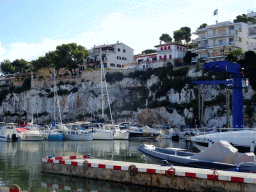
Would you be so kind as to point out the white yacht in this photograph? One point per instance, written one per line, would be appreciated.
(32, 135)
(118, 133)
(8, 132)
(237, 137)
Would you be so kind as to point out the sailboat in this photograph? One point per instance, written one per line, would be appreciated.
(110, 130)
(32, 132)
(55, 133)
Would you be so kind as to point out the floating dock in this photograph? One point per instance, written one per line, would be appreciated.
(176, 177)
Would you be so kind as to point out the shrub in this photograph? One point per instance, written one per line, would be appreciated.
(42, 77)
(113, 77)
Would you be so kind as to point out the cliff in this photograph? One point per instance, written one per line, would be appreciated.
(149, 101)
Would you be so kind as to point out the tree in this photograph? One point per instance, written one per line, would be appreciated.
(165, 37)
(243, 18)
(148, 51)
(187, 33)
(69, 56)
(7, 68)
(188, 56)
(234, 55)
(248, 62)
(20, 65)
(202, 26)
(40, 63)
(178, 35)
(191, 45)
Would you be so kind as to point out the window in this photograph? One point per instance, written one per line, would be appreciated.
(240, 29)
(180, 48)
(165, 48)
(118, 65)
(119, 58)
(124, 58)
(112, 65)
(160, 57)
(177, 47)
(118, 49)
(124, 50)
(170, 56)
(161, 48)
(240, 39)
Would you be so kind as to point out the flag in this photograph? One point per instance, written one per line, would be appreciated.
(215, 12)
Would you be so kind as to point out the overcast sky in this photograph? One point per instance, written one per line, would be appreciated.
(30, 28)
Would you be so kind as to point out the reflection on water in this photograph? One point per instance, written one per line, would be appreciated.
(20, 163)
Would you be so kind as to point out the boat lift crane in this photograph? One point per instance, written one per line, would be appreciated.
(235, 83)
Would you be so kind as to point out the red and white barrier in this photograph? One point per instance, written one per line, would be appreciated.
(71, 160)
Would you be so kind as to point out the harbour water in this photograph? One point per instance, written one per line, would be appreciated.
(20, 163)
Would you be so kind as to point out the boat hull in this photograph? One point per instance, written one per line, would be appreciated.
(76, 137)
(102, 135)
(121, 135)
(55, 137)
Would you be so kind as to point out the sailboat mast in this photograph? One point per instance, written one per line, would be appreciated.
(31, 95)
(101, 80)
(54, 83)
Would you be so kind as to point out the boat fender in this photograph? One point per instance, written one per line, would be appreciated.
(236, 169)
(133, 170)
(85, 165)
(215, 173)
(171, 172)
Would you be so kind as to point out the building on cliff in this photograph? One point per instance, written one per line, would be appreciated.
(216, 41)
(252, 28)
(114, 56)
(166, 52)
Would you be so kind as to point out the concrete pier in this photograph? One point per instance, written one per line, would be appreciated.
(180, 178)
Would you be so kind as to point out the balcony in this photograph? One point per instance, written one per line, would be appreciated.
(97, 52)
(164, 51)
(201, 48)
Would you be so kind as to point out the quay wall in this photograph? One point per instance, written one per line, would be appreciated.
(179, 178)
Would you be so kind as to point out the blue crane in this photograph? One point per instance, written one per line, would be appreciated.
(235, 83)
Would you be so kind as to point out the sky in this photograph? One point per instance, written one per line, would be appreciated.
(31, 28)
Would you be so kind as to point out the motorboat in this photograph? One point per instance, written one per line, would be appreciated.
(74, 133)
(8, 132)
(167, 132)
(238, 137)
(78, 135)
(118, 133)
(221, 155)
(32, 135)
(124, 125)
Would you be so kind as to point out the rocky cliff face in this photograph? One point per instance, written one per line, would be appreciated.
(85, 102)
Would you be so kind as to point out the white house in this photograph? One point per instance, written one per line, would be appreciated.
(216, 41)
(166, 52)
(252, 29)
(114, 56)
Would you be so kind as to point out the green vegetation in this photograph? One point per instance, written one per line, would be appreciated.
(148, 51)
(202, 26)
(184, 33)
(243, 18)
(165, 38)
(113, 77)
